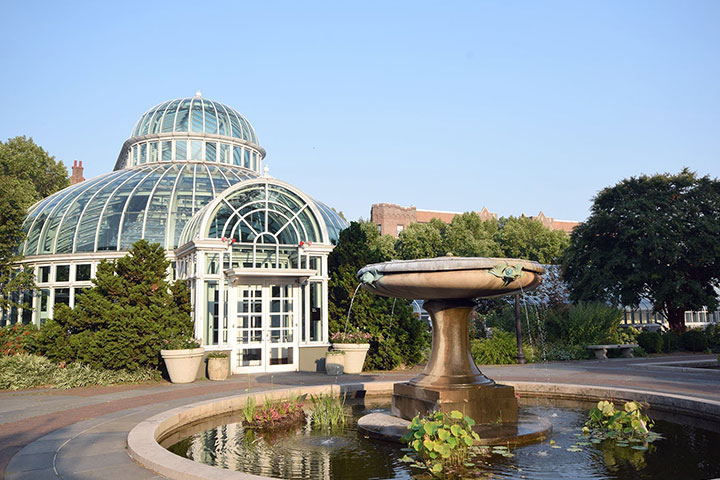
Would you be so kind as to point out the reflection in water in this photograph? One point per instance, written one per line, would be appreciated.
(686, 452)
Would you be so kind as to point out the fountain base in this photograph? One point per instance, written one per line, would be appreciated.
(484, 403)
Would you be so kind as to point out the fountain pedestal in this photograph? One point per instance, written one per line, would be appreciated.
(451, 380)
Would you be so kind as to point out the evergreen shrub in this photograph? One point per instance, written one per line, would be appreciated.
(651, 342)
(591, 324)
(18, 338)
(124, 320)
(694, 340)
(671, 341)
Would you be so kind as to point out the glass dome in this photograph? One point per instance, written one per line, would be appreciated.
(112, 211)
(192, 129)
(195, 114)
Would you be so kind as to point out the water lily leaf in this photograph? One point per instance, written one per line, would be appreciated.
(456, 430)
(407, 459)
(416, 445)
(508, 454)
(642, 448)
(469, 421)
(456, 415)
(595, 440)
(621, 444)
(555, 446)
(436, 468)
(574, 449)
(452, 442)
(429, 445)
(467, 440)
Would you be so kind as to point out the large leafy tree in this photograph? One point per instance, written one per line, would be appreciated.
(529, 239)
(398, 337)
(123, 321)
(654, 237)
(27, 174)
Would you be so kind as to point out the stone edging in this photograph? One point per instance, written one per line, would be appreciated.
(145, 450)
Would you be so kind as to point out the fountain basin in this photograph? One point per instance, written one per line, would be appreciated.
(450, 277)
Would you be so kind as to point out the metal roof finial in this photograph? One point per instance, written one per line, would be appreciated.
(198, 93)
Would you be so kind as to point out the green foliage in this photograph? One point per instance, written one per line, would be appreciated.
(422, 240)
(217, 355)
(18, 338)
(327, 411)
(123, 321)
(712, 333)
(694, 341)
(27, 174)
(23, 371)
(590, 324)
(526, 238)
(469, 236)
(185, 342)
(671, 341)
(398, 337)
(501, 349)
(622, 426)
(248, 409)
(565, 352)
(442, 443)
(655, 237)
(651, 342)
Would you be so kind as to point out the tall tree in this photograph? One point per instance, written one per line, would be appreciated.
(529, 239)
(27, 174)
(422, 240)
(468, 235)
(398, 337)
(654, 237)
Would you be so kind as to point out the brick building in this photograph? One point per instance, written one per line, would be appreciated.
(393, 219)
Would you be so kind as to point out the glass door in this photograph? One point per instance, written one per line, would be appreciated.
(265, 328)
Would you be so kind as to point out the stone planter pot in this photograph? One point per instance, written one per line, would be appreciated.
(183, 365)
(354, 355)
(218, 368)
(334, 363)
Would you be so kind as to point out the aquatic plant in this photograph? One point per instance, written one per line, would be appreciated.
(441, 442)
(625, 426)
(274, 413)
(327, 411)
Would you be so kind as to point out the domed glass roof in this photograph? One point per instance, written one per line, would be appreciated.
(112, 211)
(195, 114)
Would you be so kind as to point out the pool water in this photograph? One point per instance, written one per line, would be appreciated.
(685, 452)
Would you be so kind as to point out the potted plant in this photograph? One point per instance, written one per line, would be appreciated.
(218, 366)
(335, 362)
(183, 356)
(355, 346)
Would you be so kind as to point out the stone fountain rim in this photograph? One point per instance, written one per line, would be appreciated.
(144, 449)
(449, 264)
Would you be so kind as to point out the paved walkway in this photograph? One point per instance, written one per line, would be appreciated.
(81, 433)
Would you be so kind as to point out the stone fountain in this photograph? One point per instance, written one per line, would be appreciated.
(451, 380)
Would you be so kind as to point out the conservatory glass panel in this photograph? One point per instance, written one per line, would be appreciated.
(44, 274)
(237, 156)
(197, 116)
(167, 151)
(181, 122)
(224, 153)
(156, 121)
(203, 187)
(157, 213)
(210, 151)
(212, 319)
(236, 128)
(246, 158)
(182, 206)
(82, 272)
(153, 152)
(180, 149)
(168, 122)
(62, 273)
(107, 238)
(143, 153)
(223, 122)
(135, 209)
(210, 118)
(196, 150)
(62, 295)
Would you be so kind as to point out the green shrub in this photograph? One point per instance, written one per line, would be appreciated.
(712, 333)
(122, 322)
(591, 324)
(694, 341)
(565, 352)
(671, 341)
(651, 342)
(18, 338)
(23, 371)
(501, 349)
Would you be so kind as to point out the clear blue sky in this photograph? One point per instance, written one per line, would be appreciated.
(514, 105)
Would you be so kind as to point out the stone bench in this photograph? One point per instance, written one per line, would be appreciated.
(601, 350)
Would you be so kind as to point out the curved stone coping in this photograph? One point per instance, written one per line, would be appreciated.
(146, 451)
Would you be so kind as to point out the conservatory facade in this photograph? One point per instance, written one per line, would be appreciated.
(253, 249)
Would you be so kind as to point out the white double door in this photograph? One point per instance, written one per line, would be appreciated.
(265, 336)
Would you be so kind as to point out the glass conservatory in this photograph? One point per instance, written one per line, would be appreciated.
(252, 248)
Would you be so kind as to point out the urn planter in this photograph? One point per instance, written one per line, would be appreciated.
(355, 354)
(183, 365)
(334, 363)
(218, 368)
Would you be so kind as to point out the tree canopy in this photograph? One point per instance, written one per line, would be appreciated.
(27, 174)
(655, 237)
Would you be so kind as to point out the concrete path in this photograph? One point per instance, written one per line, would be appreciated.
(81, 433)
